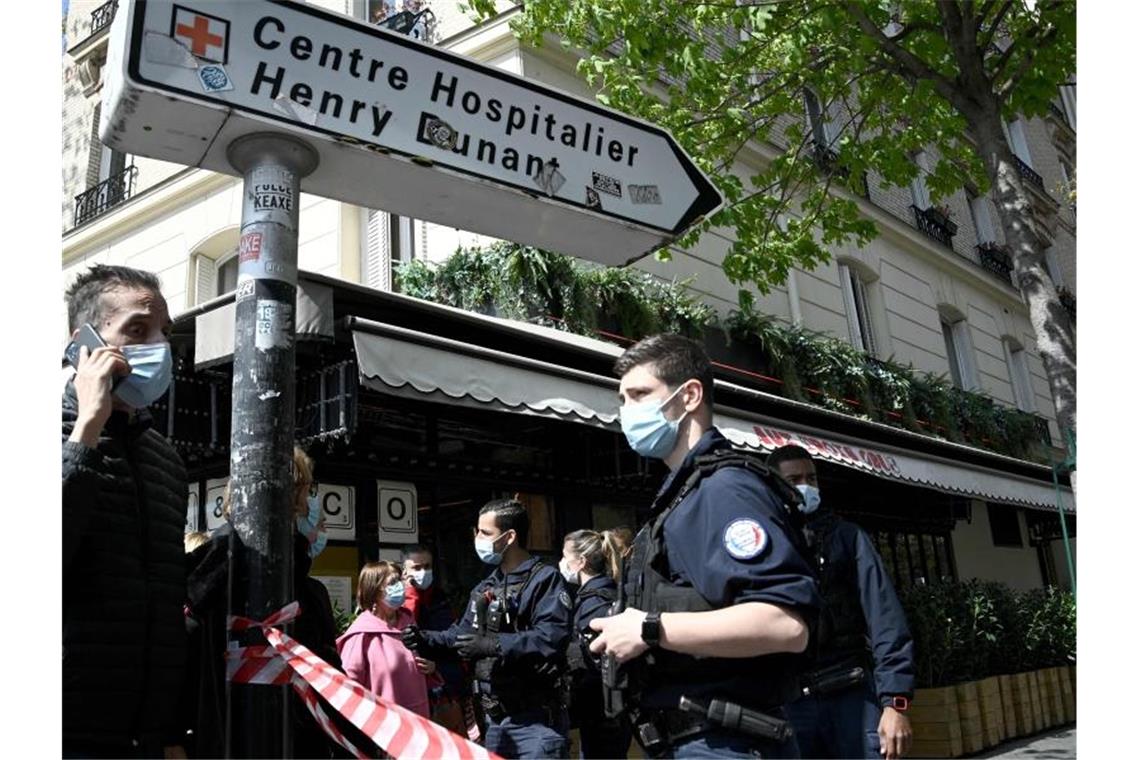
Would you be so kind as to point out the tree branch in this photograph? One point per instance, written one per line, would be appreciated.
(912, 64)
(1030, 56)
(995, 25)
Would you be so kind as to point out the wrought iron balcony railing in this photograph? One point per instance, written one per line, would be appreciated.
(1069, 301)
(104, 196)
(827, 159)
(1027, 173)
(995, 258)
(934, 224)
(1059, 113)
(1042, 426)
(102, 17)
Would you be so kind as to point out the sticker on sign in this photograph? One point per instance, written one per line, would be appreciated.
(398, 125)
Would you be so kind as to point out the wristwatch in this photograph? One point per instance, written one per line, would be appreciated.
(898, 702)
(651, 629)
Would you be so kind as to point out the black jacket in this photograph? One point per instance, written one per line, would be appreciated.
(124, 582)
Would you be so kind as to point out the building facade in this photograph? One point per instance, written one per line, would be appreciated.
(929, 291)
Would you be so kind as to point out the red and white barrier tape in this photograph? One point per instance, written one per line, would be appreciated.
(396, 730)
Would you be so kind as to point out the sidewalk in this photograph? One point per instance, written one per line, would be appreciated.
(1055, 744)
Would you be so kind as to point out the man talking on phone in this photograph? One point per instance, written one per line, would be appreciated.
(124, 507)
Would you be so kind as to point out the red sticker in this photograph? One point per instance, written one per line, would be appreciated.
(249, 247)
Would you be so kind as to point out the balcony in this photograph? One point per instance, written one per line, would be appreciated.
(995, 259)
(1042, 426)
(101, 198)
(827, 160)
(1028, 174)
(935, 224)
(1069, 301)
(102, 16)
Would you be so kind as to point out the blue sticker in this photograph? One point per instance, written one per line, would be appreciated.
(214, 78)
(744, 538)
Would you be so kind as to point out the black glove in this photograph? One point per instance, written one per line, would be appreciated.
(475, 645)
(413, 638)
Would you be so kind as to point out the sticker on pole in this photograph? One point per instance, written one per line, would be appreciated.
(274, 323)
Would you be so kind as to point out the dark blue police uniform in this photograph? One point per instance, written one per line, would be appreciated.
(732, 541)
(524, 706)
(860, 608)
(601, 737)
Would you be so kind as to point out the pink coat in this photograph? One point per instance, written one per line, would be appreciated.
(374, 656)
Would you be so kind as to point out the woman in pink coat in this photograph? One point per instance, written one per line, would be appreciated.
(371, 650)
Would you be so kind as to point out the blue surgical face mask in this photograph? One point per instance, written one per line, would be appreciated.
(308, 526)
(151, 369)
(485, 548)
(811, 498)
(394, 594)
(647, 430)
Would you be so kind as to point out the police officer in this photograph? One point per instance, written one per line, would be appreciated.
(860, 686)
(719, 594)
(514, 632)
(590, 562)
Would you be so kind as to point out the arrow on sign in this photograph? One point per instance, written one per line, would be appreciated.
(399, 125)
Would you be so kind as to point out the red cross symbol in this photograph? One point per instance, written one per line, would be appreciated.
(199, 35)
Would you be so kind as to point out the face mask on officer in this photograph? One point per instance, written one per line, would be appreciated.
(570, 576)
(811, 498)
(485, 548)
(646, 428)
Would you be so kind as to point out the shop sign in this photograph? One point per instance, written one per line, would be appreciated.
(398, 506)
(852, 456)
(338, 505)
(215, 490)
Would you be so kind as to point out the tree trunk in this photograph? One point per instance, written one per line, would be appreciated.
(1056, 340)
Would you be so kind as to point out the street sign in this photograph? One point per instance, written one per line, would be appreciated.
(398, 125)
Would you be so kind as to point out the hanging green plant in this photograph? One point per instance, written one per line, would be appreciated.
(469, 280)
(418, 279)
(623, 302)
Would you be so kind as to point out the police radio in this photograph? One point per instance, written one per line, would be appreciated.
(481, 604)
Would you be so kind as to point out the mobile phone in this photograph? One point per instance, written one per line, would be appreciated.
(88, 336)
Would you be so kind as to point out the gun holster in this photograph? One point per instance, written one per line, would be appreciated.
(832, 679)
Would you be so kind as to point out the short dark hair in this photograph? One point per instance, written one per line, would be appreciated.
(85, 296)
(510, 514)
(788, 453)
(673, 359)
(410, 549)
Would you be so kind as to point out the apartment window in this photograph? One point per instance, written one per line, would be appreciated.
(983, 222)
(1015, 134)
(1005, 528)
(1019, 375)
(1052, 266)
(956, 335)
(227, 275)
(918, 191)
(822, 129)
(1069, 103)
(390, 239)
(858, 313)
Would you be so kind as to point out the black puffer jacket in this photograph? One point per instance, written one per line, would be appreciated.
(124, 584)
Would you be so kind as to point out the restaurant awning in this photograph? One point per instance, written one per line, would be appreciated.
(405, 362)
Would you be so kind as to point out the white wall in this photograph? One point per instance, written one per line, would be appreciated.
(977, 557)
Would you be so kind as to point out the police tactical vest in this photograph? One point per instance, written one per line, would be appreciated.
(842, 626)
(577, 665)
(649, 588)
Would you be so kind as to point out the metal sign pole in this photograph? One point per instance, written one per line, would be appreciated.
(261, 448)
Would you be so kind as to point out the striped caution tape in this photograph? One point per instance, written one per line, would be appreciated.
(396, 730)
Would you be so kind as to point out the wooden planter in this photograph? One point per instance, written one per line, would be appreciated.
(1035, 701)
(1067, 707)
(970, 716)
(935, 723)
(993, 718)
(1023, 704)
(1072, 675)
(1008, 707)
(1056, 675)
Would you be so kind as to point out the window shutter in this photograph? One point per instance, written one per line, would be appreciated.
(859, 289)
(95, 150)
(205, 277)
(980, 210)
(1015, 133)
(1019, 377)
(918, 192)
(377, 253)
(962, 346)
(847, 286)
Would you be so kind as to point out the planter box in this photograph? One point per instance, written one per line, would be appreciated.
(993, 717)
(739, 353)
(935, 723)
(1023, 704)
(1071, 679)
(1061, 678)
(1008, 707)
(970, 716)
(1035, 702)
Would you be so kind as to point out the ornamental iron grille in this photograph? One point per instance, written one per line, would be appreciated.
(995, 258)
(934, 225)
(102, 17)
(109, 193)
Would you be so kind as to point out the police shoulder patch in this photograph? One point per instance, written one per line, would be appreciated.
(565, 599)
(744, 538)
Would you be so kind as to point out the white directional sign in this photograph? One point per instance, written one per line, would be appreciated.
(398, 125)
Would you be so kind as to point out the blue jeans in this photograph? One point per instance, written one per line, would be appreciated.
(843, 724)
(716, 744)
(528, 735)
